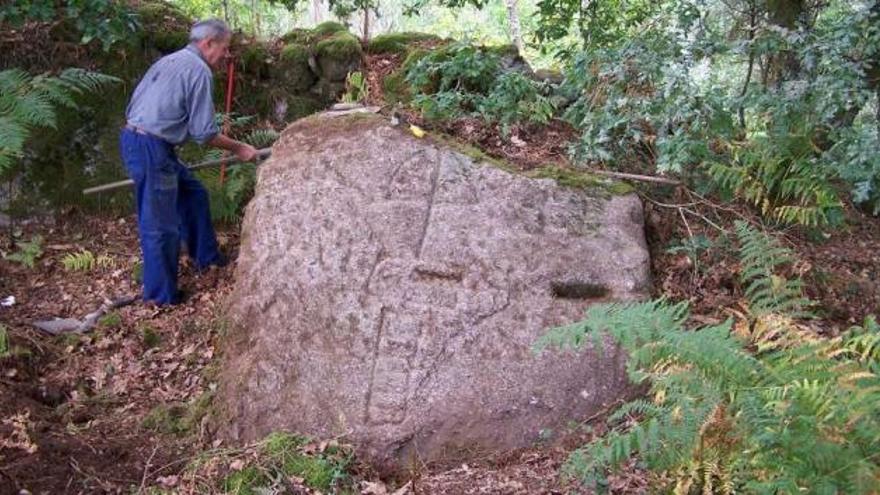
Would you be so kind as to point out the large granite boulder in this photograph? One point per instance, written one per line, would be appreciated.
(389, 289)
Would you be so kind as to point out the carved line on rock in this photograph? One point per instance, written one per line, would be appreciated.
(388, 393)
(435, 174)
(375, 361)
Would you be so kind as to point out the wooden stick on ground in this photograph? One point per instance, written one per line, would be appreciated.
(65, 325)
(641, 178)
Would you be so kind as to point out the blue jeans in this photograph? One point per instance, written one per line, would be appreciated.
(172, 205)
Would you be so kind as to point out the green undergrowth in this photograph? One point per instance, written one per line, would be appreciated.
(179, 418)
(763, 404)
(395, 89)
(277, 462)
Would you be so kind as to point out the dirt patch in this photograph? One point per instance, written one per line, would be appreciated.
(81, 401)
(694, 258)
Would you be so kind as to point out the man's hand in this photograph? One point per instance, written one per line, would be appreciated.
(243, 152)
(246, 153)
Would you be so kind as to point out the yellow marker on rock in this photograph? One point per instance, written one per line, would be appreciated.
(417, 131)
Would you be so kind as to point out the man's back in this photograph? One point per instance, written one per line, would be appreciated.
(173, 100)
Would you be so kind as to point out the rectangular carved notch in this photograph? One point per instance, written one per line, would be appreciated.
(578, 290)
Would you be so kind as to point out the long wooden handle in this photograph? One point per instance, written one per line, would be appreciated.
(263, 153)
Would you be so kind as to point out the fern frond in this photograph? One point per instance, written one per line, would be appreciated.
(799, 414)
(262, 138)
(84, 260)
(81, 80)
(28, 252)
(768, 292)
(27, 102)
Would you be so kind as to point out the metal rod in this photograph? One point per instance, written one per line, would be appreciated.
(263, 153)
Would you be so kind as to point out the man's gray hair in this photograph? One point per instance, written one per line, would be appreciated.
(209, 29)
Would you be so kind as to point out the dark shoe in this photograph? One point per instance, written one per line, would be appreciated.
(219, 263)
(182, 296)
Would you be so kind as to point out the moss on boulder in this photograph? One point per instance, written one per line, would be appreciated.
(300, 36)
(165, 27)
(395, 89)
(580, 180)
(338, 55)
(328, 91)
(329, 27)
(548, 75)
(398, 42)
(158, 13)
(169, 41)
(294, 71)
(255, 58)
(298, 107)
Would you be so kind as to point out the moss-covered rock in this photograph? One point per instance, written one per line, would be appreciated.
(398, 42)
(394, 85)
(156, 13)
(510, 59)
(328, 91)
(255, 59)
(395, 89)
(300, 36)
(294, 72)
(297, 107)
(169, 41)
(338, 55)
(165, 27)
(329, 27)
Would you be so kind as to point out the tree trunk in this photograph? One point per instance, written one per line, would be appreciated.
(255, 18)
(513, 23)
(366, 25)
(316, 11)
(873, 74)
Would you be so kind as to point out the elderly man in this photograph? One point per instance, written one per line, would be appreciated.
(172, 104)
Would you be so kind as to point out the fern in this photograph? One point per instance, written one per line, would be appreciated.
(28, 252)
(356, 86)
(795, 417)
(4, 342)
(863, 343)
(782, 181)
(229, 197)
(27, 102)
(767, 290)
(77, 262)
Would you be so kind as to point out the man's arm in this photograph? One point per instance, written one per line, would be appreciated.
(202, 127)
(243, 151)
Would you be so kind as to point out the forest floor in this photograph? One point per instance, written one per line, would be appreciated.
(122, 408)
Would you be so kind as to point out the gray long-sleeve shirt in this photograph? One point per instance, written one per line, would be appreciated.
(173, 100)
